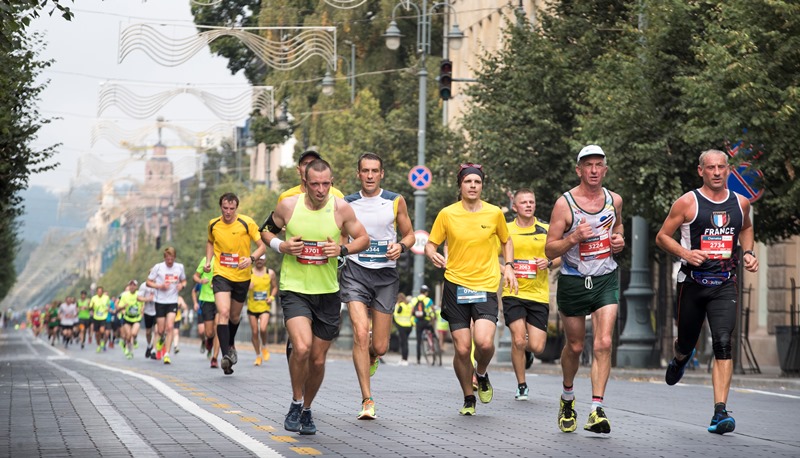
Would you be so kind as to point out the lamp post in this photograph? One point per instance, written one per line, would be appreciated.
(328, 83)
(393, 37)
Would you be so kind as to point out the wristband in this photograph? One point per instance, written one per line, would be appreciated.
(275, 244)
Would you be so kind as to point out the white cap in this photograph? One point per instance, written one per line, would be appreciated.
(590, 150)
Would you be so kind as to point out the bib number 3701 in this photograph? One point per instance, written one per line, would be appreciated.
(312, 253)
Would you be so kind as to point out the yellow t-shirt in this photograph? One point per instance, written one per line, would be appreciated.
(232, 243)
(258, 297)
(529, 244)
(297, 190)
(471, 244)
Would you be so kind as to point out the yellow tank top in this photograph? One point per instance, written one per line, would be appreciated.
(257, 297)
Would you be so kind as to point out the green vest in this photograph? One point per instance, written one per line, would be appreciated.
(100, 306)
(84, 312)
(312, 272)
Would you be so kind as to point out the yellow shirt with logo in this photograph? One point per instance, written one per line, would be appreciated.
(529, 244)
(471, 244)
(258, 297)
(231, 244)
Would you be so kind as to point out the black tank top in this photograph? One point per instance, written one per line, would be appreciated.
(715, 229)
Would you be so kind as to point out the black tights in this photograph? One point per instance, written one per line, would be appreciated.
(696, 303)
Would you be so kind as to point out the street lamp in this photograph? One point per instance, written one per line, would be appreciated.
(328, 84)
(454, 39)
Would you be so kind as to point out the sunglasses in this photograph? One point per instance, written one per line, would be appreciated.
(470, 164)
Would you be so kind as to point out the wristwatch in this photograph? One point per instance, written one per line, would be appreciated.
(403, 247)
(509, 263)
(342, 250)
(750, 252)
(252, 260)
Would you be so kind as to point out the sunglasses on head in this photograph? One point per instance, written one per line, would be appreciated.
(470, 164)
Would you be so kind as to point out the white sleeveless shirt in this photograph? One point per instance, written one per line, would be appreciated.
(378, 215)
(593, 256)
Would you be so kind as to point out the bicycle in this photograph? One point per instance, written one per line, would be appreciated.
(430, 347)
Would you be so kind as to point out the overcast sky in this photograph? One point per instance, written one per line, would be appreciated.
(85, 53)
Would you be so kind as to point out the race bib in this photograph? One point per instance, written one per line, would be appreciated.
(597, 247)
(376, 251)
(468, 296)
(717, 246)
(312, 253)
(170, 279)
(133, 310)
(229, 259)
(259, 295)
(525, 268)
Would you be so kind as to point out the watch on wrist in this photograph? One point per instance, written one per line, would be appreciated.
(252, 260)
(342, 250)
(549, 263)
(403, 247)
(509, 263)
(750, 252)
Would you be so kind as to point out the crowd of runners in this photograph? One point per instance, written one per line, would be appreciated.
(344, 249)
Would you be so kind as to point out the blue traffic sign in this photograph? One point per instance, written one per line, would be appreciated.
(746, 181)
(420, 177)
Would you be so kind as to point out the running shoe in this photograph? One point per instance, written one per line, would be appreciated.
(99, 348)
(264, 355)
(167, 360)
(148, 352)
(528, 359)
(129, 355)
(367, 410)
(226, 365)
(675, 369)
(136, 344)
(159, 344)
(722, 423)
(202, 346)
(234, 355)
(598, 423)
(374, 366)
(566, 416)
(485, 390)
(214, 363)
(258, 361)
(522, 393)
(160, 354)
(82, 345)
(469, 406)
(292, 421)
(307, 426)
(177, 350)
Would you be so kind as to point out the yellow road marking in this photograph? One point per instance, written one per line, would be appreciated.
(305, 450)
(283, 439)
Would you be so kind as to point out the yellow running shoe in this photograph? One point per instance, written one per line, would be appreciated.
(167, 360)
(159, 344)
(264, 355)
(258, 361)
(566, 416)
(598, 423)
(374, 366)
(469, 406)
(485, 390)
(367, 410)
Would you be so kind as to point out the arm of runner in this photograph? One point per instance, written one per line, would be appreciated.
(560, 219)
(747, 237)
(617, 239)
(406, 230)
(677, 216)
(274, 282)
(354, 228)
(209, 255)
(432, 253)
(509, 279)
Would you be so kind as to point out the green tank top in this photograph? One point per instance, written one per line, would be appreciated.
(84, 313)
(311, 272)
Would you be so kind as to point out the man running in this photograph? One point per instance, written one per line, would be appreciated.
(309, 288)
(68, 318)
(84, 319)
(263, 288)
(208, 310)
(369, 281)
(526, 312)
(585, 230)
(130, 308)
(167, 278)
(712, 222)
(309, 155)
(471, 228)
(147, 297)
(228, 247)
(100, 304)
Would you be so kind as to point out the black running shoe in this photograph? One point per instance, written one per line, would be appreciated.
(528, 359)
(307, 426)
(675, 369)
(227, 365)
(722, 423)
(292, 421)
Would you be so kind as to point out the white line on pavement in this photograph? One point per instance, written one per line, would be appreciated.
(226, 428)
(768, 393)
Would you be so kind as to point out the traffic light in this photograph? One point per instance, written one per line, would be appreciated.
(446, 79)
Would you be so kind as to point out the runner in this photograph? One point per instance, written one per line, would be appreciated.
(423, 316)
(36, 322)
(712, 222)
(84, 319)
(68, 318)
(131, 310)
(526, 313)
(99, 304)
(472, 277)
(402, 321)
(208, 310)
(586, 229)
(228, 247)
(309, 285)
(262, 291)
(168, 278)
(146, 296)
(52, 322)
(369, 281)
